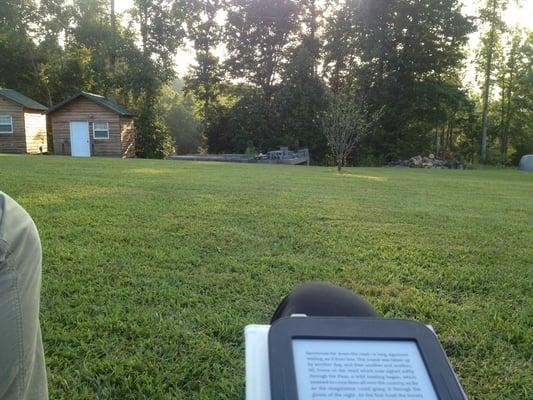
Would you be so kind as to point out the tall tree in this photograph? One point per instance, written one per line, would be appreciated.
(113, 32)
(510, 64)
(204, 78)
(300, 100)
(519, 120)
(55, 18)
(490, 15)
(339, 44)
(162, 32)
(302, 94)
(18, 19)
(392, 52)
(161, 24)
(258, 36)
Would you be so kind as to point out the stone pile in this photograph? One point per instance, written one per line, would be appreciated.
(426, 162)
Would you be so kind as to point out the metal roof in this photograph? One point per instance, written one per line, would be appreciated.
(21, 100)
(111, 105)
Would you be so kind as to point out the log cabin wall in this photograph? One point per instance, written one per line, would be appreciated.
(13, 142)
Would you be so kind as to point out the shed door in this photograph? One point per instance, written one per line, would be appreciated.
(79, 139)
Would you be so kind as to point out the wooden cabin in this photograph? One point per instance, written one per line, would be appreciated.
(86, 125)
(22, 124)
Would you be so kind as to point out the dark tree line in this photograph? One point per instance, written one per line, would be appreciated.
(285, 63)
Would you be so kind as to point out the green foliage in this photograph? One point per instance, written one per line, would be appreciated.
(162, 31)
(16, 71)
(510, 113)
(153, 139)
(520, 114)
(184, 127)
(204, 79)
(490, 15)
(249, 122)
(300, 100)
(391, 52)
(258, 34)
(152, 268)
(18, 66)
(287, 118)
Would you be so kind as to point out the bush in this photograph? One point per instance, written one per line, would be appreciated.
(153, 139)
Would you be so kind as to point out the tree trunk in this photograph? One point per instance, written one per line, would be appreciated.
(486, 86)
(143, 22)
(442, 140)
(484, 118)
(113, 34)
(502, 121)
(503, 148)
(206, 111)
(339, 165)
(437, 140)
(508, 110)
(504, 141)
(449, 135)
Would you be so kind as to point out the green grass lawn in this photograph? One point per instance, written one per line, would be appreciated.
(152, 268)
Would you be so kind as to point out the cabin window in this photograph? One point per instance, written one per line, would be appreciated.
(6, 124)
(100, 130)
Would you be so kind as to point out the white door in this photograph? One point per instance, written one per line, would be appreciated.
(79, 139)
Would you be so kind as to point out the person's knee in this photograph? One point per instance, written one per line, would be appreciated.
(21, 254)
(19, 237)
(22, 368)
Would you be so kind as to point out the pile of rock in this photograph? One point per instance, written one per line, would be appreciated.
(426, 162)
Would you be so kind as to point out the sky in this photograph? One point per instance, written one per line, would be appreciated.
(515, 15)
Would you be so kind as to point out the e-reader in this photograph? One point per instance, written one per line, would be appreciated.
(358, 358)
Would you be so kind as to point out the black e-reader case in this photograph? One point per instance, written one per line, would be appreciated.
(284, 331)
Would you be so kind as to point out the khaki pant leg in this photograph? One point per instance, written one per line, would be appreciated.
(22, 367)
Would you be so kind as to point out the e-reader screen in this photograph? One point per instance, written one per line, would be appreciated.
(360, 369)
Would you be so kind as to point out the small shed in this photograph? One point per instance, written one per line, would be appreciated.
(87, 124)
(526, 163)
(22, 124)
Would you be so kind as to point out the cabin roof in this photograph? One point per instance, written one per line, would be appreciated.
(20, 99)
(101, 100)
